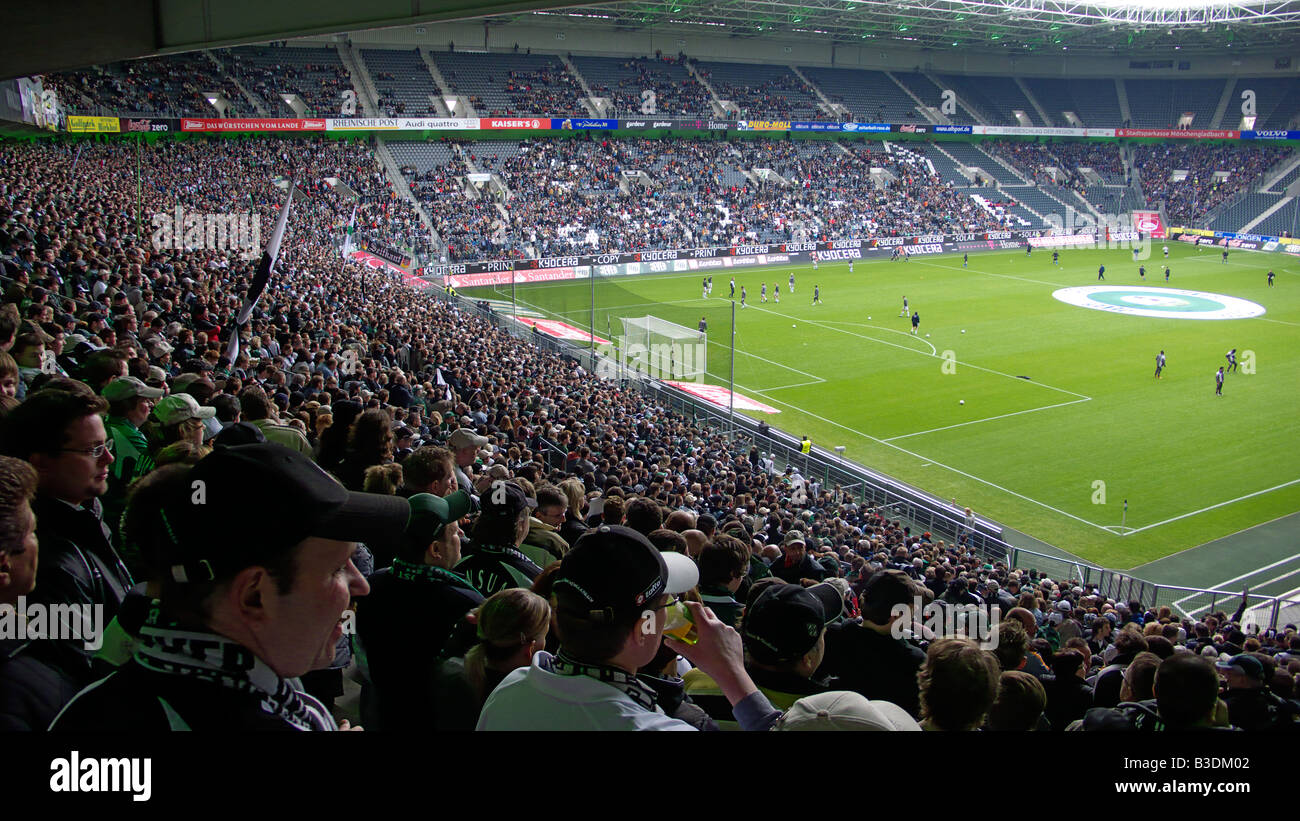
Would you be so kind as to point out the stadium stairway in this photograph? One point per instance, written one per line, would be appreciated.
(1279, 218)
(588, 98)
(362, 82)
(928, 112)
(1245, 210)
(1033, 101)
(1280, 178)
(1278, 221)
(249, 100)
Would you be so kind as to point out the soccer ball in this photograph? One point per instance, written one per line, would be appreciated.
(868, 317)
(961, 401)
(963, 330)
(794, 326)
(927, 336)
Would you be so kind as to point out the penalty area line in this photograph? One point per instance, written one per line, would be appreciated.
(928, 460)
(987, 419)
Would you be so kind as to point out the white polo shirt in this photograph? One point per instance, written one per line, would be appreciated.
(534, 698)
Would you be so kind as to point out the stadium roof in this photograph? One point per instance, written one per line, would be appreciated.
(1134, 27)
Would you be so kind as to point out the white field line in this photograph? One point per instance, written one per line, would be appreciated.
(795, 385)
(987, 419)
(1220, 504)
(1253, 587)
(927, 459)
(1133, 571)
(923, 353)
(1044, 505)
(1217, 588)
(933, 350)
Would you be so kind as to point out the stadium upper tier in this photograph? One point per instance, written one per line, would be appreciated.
(254, 81)
(549, 197)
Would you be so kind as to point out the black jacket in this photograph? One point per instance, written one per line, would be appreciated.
(36, 680)
(809, 568)
(405, 626)
(1067, 699)
(491, 569)
(879, 667)
(78, 562)
(132, 701)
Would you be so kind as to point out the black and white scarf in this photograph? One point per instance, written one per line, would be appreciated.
(635, 689)
(169, 649)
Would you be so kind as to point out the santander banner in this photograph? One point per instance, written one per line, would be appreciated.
(1149, 222)
(505, 277)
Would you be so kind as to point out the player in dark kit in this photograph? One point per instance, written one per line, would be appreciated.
(1270, 279)
(1225, 256)
(1028, 248)
(704, 327)
(733, 288)
(965, 258)
(817, 294)
(1056, 257)
(1231, 356)
(1142, 272)
(1218, 383)
(1160, 362)
(1166, 273)
(792, 277)
(1101, 272)
(916, 322)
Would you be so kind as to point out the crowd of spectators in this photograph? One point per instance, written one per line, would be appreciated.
(676, 94)
(1190, 199)
(523, 512)
(565, 196)
(319, 85)
(171, 86)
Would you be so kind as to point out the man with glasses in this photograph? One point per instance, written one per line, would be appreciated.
(61, 434)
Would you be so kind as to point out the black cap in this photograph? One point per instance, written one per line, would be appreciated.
(240, 433)
(783, 622)
(283, 497)
(505, 500)
(613, 571)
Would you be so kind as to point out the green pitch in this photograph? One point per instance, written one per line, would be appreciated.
(1062, 418)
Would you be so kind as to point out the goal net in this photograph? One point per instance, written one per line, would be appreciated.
(663, 350)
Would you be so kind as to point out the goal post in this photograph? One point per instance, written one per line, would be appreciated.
(662, 349)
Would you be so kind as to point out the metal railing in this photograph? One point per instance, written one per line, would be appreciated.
(923, 511)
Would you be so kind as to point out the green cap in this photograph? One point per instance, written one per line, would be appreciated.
(430, 514)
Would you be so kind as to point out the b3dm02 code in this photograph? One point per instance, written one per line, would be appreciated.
(1221, 763)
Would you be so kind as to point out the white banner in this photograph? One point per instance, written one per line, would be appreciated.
(1041, 131)
(402, 124)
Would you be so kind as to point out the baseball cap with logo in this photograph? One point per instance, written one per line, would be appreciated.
(845, 710)
(126, 387)
(614, 572)
(181, 406)
(1244, 663)
(283, 497)
(785, 620)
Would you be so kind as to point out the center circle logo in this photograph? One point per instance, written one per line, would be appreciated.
(1168, 303)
